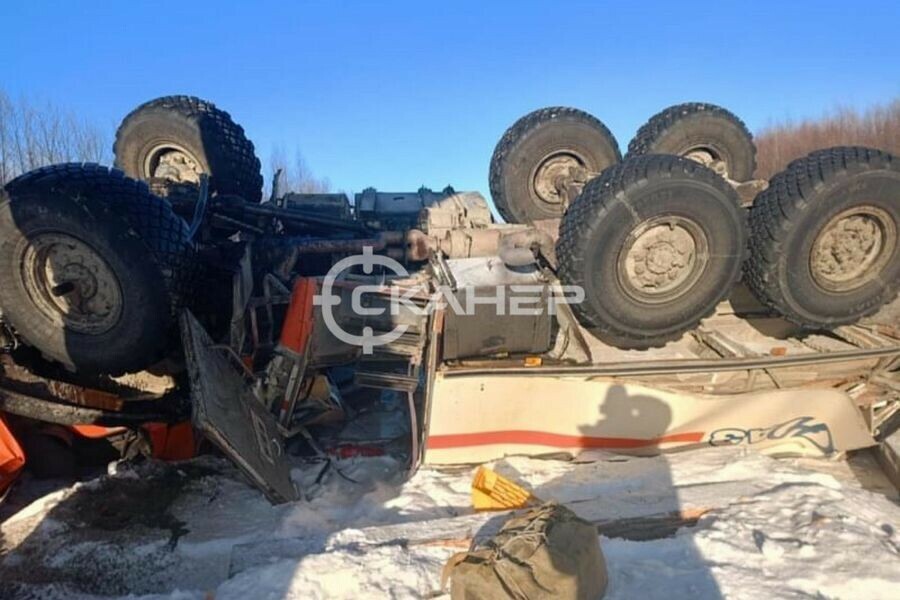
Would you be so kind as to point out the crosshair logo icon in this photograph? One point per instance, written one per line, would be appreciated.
(328, 299)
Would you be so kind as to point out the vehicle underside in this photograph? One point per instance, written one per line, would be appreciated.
(170, 290)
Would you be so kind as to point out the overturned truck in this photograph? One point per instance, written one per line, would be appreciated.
(623, 301)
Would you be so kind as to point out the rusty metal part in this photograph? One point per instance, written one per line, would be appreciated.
(17, 378)
(51, 411)
(852, 248)
(662, 259)
(45, 399)
(69, 283)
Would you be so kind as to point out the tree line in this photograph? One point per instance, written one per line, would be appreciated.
(875, 127)
(34, 134)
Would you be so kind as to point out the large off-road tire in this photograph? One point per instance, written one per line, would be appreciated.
(655, 242)
(541, 151)
(93, 267)
(177, 138)
(823, 249)
(703, 132)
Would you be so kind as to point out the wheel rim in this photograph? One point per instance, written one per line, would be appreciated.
(852, 248)
(172, 163)
(71, 284)
(554, 173)
(662, 259)
(708, 157)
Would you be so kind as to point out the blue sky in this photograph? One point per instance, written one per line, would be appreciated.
(400, 94)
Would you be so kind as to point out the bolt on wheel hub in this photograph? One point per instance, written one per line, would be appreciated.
(71, 284)
(852, 248)
(662, 259)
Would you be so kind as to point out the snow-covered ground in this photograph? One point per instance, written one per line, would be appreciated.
(772, 528)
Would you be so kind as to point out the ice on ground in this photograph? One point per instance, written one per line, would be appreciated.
(772, 528)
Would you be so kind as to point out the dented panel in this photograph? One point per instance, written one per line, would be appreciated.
(477, 419)
(227, 412)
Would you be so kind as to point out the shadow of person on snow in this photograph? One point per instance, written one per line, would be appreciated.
(643, 539)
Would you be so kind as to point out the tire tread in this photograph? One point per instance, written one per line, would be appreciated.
(597, 199)
(244, 176)
(520, 129)
(145, 215)
(645, 139)
(774, 213)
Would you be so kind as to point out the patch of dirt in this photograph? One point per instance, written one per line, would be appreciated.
(86, 543)
(116, 504)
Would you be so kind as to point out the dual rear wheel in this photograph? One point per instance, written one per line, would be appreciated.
(824, 250)
(655, 242)
(94, 265)
(658, 240)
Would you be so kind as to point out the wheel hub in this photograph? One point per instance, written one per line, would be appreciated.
(852, 248)
(555, 173)
(71, 284)
(173, 163)
(708, 158)
(662, 259)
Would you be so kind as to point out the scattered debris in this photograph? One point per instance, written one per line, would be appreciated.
(670, 526)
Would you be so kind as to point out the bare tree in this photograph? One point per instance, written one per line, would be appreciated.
(295, 175)
(877, 127)
(33, 135)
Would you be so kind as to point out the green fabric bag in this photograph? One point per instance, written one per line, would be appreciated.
(547, 553)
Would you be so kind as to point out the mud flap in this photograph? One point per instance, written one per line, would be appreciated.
(226, 411)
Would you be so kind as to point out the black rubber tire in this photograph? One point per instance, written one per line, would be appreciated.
(786, 219)
(208, 133)
(599, 223)
(682, 127)
(142, 241)
(532, 138)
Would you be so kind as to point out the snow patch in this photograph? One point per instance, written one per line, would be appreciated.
(772, 528)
